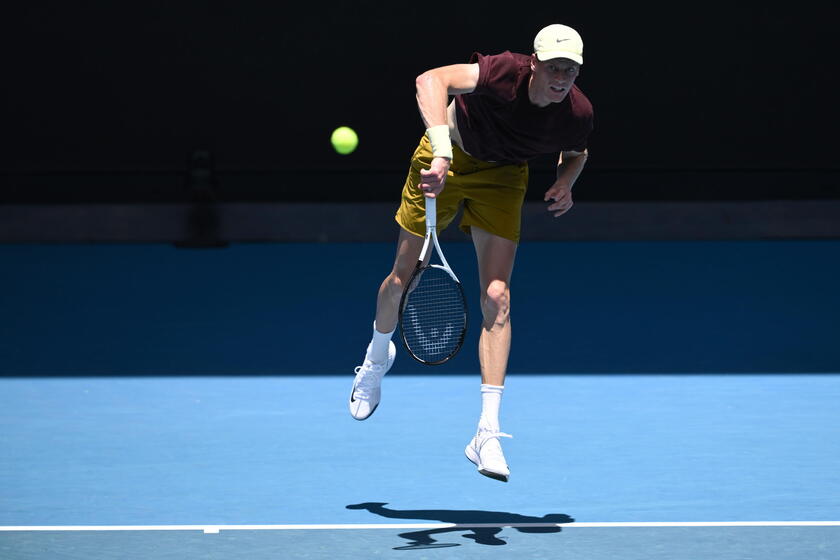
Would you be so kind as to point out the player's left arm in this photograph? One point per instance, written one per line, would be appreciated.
(569, 167)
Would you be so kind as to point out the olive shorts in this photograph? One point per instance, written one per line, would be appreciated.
(491, 194)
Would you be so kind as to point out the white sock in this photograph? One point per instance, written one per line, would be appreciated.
(379, 346)
(491, 400)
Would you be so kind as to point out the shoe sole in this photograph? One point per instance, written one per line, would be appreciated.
(493, 475)
(473, 458)
(372, 410)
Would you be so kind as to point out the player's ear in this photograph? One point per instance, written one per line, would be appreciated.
(533, 61)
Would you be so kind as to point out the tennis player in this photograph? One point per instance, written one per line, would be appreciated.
(507, 109)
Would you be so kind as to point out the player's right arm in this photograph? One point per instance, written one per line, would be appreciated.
(435, 86)
(433, 90)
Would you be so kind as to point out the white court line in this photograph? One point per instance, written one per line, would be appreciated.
(211, 529)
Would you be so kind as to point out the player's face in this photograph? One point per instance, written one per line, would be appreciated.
(552, 79)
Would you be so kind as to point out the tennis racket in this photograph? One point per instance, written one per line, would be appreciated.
(433, 309)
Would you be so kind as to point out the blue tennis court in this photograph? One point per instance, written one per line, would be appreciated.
(667, 400)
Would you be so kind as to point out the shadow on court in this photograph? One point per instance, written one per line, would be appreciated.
(481, 535)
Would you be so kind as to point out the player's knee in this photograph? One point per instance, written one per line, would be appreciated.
(496, 301)
(394, 284)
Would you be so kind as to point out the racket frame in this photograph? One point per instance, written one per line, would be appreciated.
(431, 241)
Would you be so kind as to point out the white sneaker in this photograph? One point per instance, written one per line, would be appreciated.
(485, 451)
(364, 398)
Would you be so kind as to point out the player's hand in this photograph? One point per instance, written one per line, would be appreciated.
(432, 180)
(560, 196)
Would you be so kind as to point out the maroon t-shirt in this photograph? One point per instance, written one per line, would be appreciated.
(498, 122)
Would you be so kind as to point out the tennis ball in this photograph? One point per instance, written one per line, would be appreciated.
(344, 140)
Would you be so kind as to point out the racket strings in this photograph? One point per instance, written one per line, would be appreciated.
(434, 316)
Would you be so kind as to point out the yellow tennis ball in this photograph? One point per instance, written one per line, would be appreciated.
(344, 140)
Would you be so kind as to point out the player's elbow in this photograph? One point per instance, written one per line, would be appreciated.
(570, 154)
(434, 82)
(424, 81)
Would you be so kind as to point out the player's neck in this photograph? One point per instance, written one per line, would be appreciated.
(534, 96)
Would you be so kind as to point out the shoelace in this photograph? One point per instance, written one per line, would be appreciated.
(367, 382)
(484, 437)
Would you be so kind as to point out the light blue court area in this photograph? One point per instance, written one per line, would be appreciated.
(210, 451)
(779, 543)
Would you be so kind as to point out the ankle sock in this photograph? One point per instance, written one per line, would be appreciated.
(491, 400)
(379, 346)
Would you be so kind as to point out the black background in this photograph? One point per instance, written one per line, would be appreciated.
(691, 101)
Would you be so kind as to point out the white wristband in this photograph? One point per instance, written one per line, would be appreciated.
(441, 143)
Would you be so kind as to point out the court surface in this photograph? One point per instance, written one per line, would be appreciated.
(699, 438)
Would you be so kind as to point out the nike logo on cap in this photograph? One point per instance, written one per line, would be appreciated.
(561, 40)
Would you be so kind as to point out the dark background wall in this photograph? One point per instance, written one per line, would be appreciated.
(109, 99)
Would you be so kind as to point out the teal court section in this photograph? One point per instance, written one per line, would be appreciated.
(276, 309)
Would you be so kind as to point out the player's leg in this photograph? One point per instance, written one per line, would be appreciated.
(495, 256)
(495, 264)
(409, 246)
(411, 217)
(381, 352)
(493, 219)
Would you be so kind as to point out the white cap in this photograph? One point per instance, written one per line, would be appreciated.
(558, 41)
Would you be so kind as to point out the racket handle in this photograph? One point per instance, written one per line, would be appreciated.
(431, 212)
